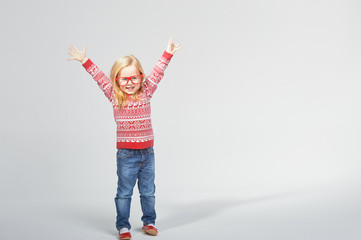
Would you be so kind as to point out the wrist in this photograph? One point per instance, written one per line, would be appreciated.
(84, 60)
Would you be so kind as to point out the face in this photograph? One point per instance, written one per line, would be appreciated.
(129, 88)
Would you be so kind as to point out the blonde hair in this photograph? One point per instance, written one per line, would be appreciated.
(121, 97)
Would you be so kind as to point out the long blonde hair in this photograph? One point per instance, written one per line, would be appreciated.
(120, 96)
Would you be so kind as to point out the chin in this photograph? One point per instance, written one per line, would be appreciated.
(132, 92)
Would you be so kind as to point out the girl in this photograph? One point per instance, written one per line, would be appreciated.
(130, 91)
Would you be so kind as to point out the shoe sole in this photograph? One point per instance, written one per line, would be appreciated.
(151, 232)
(127, 238)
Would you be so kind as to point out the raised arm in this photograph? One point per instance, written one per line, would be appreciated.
(157, 73)
(101, 79)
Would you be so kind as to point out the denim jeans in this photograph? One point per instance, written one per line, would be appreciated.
(133, 164)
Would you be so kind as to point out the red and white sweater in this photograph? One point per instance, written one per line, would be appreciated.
(134, 126)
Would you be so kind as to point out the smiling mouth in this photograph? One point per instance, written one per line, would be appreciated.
(129, 88)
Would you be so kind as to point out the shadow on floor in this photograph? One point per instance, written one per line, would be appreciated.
(193, 212)
(182, 214)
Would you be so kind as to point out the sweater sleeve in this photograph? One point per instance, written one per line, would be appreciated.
(157, 74)
(101, 79)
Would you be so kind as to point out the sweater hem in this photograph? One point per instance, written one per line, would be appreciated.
(135, 145)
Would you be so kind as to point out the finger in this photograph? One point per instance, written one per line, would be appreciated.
(70, 59)
(84, 49)
(75, 48)
(179, 46)
(70, 53)
(72, 49)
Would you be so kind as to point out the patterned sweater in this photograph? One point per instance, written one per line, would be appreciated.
(134, 126)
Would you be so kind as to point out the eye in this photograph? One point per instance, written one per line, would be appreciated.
(123, 79)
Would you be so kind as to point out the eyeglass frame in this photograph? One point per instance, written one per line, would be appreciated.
(129, 78)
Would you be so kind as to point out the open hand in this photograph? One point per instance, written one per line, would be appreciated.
(77, 54)
(171, 48)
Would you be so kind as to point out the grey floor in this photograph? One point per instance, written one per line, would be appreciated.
(316, 214)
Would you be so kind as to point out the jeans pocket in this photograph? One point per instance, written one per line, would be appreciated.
(124, 153)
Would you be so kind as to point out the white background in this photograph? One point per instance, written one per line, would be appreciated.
(256, 122)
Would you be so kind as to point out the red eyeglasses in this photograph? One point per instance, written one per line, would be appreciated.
(135, 79)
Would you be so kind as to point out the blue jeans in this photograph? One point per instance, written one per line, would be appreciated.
(133, 164)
